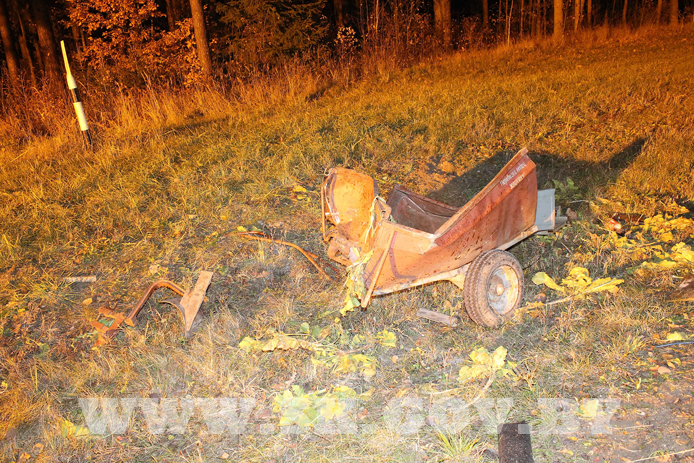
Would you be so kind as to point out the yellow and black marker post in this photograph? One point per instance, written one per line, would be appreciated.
(79, 109)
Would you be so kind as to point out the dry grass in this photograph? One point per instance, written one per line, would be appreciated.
(174, 173)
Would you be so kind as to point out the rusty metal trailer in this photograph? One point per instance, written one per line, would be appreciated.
(411, 240)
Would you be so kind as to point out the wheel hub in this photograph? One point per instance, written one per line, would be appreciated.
(503, 290)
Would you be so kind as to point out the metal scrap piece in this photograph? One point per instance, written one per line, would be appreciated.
(189, 305)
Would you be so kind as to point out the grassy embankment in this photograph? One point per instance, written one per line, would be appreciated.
(171, 177)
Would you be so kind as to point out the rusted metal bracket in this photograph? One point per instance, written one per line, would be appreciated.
(189, 305)
(260, 236)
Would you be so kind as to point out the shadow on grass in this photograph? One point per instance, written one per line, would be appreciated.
(586, 175)
(192, 124)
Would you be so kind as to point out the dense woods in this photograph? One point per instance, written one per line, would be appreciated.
(184, 41)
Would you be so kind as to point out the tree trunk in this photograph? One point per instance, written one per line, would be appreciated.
(47, 45)
(174, 13)
(485, 14)
(76, 36)
(522, 13)
(170, 15)
(577, 14)
(509, 17)
(442, 21)
(659, 12)
(624, 12)
(201, 37)
(498, 16)
(339, 13)
(24, 43)
(643, 9)
(180, 9)
(589, 14)
(674, 12)
(8, 45)
(542, 18)
(558, 19)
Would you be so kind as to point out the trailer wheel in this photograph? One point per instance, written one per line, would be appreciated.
(493, 288)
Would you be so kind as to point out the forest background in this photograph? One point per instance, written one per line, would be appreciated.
(116, 47)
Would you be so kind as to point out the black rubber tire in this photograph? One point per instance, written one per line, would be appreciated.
(493, 288)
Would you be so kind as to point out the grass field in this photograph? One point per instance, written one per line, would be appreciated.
(172, 176)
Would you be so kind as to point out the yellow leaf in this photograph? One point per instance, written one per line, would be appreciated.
(604, 284)
(666, 237)
(87, 301)
(287, 343)
(682, 252)
(588, 409)
(271, 345)
(467, 373)
(542, 278)
(248, 344)
(663, 264)
(386, 338)
(69, 429)
(577, 272)
(345, 364)
(578, 278)
(241, 228)
(299, 189)
(499, 357)
(675, 337)
(480, 356)
(330, 407)
(344, 391)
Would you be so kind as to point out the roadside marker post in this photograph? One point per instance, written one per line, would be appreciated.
(79, 109)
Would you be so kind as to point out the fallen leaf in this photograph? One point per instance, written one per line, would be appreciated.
(499, 357)
(685, 290)
(69, 429)
(675, 336)
(666, 237)
(37, 449)
(663, 370)
(588, 409)
(386, 338)
(249, 344)
(542, 278)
